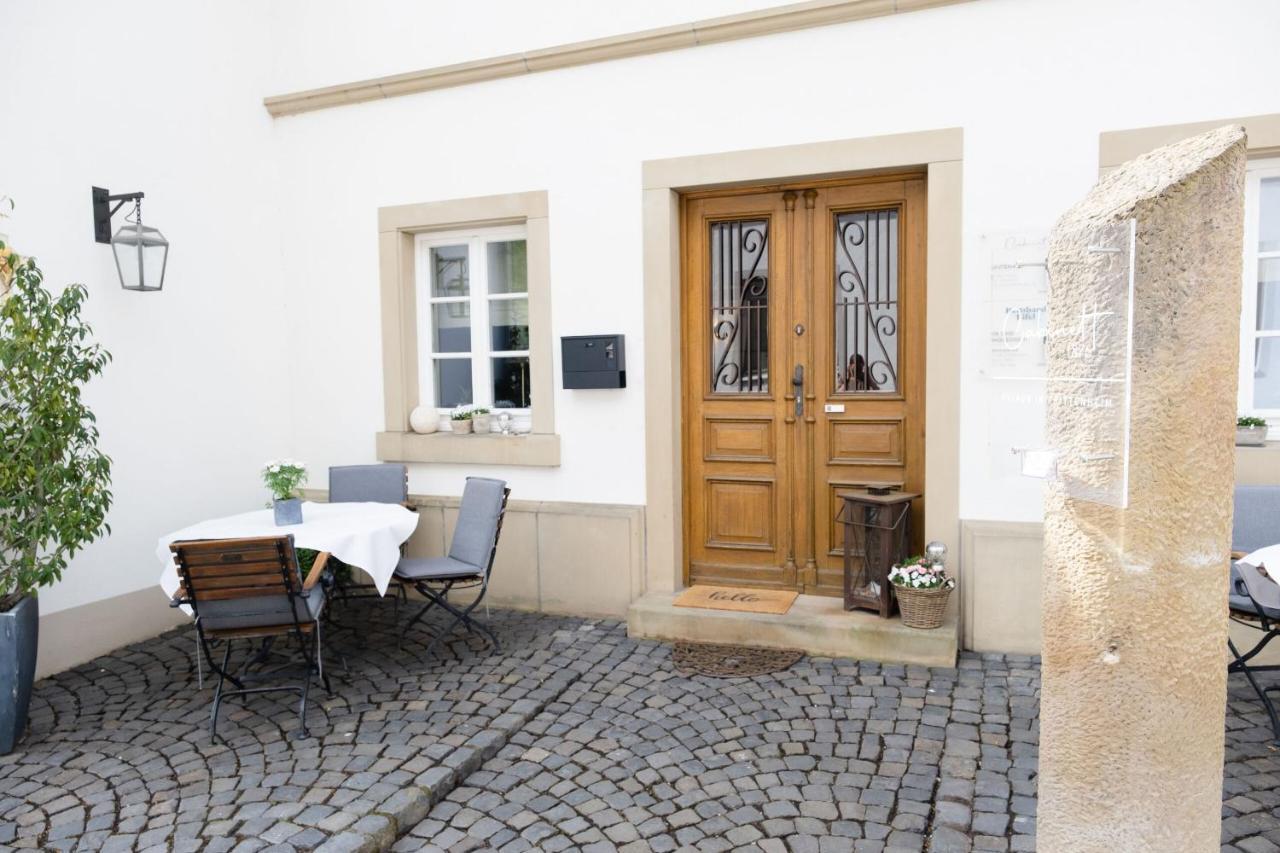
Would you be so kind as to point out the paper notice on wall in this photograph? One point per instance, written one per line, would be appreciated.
(1012, 360)
(1097, 339)
(1017, 305)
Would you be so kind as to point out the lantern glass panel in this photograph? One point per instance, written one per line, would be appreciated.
(141, 255)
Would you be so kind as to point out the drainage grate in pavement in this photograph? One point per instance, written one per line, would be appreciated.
(720, 661)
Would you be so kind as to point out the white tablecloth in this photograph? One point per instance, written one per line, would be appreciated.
(1268, 556)
(366, 535)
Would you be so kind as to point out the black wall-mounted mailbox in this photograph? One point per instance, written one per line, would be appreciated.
(594, 361)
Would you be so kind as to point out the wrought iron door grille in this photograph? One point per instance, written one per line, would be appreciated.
(866, 301)
(740, 307)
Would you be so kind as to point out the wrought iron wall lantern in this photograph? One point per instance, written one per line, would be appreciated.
(141, 253)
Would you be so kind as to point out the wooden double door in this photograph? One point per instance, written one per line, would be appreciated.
(803, 372)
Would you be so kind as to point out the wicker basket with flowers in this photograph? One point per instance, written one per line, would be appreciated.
(922, 589)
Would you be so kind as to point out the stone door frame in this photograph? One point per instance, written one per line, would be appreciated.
(940, 153)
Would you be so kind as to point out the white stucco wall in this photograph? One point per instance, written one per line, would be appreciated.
(273, 221)
(1032, 82)
(162, 99)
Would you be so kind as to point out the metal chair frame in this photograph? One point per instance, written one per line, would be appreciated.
(437, 593)
(1271, 629)
(313, 660)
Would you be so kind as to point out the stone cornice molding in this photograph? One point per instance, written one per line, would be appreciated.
(761, 22)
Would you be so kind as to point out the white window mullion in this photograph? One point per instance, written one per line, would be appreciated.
(1249, 292)
(480, 342)
(426, 362)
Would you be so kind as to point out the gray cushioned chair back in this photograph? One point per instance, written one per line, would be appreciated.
(383, 484)
(1261, 586)
(1256, 521)
(477, 527)
(1238, 595)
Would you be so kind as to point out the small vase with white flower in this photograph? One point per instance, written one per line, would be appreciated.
(283, 477)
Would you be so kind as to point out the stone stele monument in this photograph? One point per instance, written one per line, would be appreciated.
(1142, 349)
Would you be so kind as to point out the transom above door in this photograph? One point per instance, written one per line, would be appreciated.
(803, 372)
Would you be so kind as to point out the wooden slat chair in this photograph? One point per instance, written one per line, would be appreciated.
(252, 589)
(468, 565)
(1255, 601)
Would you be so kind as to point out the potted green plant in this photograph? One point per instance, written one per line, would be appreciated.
(922, 588)
(1250, 431)
(460, 421)
(283, 478)
(54, 481)
(480, 420)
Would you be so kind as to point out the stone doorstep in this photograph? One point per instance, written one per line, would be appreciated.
(381, 828)
(818, 625)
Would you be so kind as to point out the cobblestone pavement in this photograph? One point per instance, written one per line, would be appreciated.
(831, 755)
(1251, 783)
(119, 757)
(573, 737)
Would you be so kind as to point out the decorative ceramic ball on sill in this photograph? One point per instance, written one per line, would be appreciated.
(424, 420)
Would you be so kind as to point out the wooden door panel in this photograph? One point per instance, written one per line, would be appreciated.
(741, 514)
(869, 242)
(736, 463)
(739, 439)
(865, 441)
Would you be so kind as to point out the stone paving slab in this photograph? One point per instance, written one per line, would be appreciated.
(574, 737)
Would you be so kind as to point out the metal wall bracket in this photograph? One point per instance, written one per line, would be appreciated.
(103, 211)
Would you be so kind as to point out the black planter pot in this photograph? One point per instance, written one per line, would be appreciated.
(19, 633)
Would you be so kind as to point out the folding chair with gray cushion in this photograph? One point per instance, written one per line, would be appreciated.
(379, 483)
(252, 589)
(1256, 521)
(1255, 601)
(469, 563)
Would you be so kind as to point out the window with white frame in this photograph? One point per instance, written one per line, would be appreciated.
(473, 319)
(1260, 314)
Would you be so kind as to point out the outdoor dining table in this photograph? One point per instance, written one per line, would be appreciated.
(365, 535)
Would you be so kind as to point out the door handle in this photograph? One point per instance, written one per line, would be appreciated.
(797, 383)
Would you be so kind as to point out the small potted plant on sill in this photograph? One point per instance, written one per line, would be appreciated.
(460, 421)
(480, 419)
(922, 588)
(1250, 431)
(283, 478)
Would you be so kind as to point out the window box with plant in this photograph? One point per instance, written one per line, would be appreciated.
(54, 481)
(1251, 431)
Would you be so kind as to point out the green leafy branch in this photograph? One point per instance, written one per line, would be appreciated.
(54, 480)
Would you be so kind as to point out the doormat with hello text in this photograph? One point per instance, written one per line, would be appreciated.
(738, 598)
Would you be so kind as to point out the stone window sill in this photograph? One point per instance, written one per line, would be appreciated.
(533, 449)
